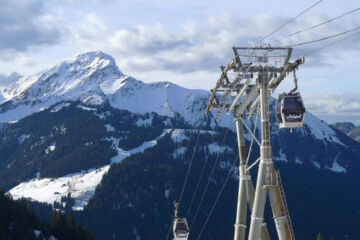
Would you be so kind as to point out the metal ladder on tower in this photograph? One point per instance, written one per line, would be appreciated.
(282, 193)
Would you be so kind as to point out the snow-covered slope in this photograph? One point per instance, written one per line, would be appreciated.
(2, 98)
(85, 77)
(80, 185)
(93, 78)
(77, 77)
(164, 98)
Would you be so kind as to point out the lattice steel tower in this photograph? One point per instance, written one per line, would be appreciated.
(246, 84)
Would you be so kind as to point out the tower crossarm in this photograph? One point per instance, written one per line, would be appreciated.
(246, 63)
(273, 84)
(219, 83)
(290, 67)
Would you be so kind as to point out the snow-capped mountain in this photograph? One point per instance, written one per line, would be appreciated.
(66, 130)
(76, 78)
(93, 78)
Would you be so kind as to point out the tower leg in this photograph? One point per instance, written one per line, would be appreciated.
(246, 191)
(279, 213)
(241, 213)
(266, 164)
(250, 198)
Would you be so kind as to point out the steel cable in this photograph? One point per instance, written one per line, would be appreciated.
(283, 25)
(209, 179)
(320, 24)
(324, 38)
(187, 173)
(218, 197)
(196, 188)
(227, 178)
(333, 43)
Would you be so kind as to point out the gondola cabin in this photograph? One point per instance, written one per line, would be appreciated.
(180, 229)
(290, 110)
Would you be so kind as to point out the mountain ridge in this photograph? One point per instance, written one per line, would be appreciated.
(94, 78)
(349, 129)
(73, 139)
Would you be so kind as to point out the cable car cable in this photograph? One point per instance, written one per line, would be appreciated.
(227, 178)
(286, 23)
(325, 38)
(196, 188)
(253, 134)
(188, 171)
(333, 43)
(320, 24)
(209, 179)
(186, 178)
(281, 26)
(218, 197)
(191, 161)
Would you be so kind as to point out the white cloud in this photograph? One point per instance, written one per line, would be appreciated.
(185, 48)
(336, 106)
(92, 27)
(24, 25)
(192, 47)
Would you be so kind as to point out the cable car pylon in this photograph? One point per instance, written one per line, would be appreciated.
(246, 84)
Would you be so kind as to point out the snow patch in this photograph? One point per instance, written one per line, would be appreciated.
(336, 167)
(94, 100)
(58, 107)
(298, 161)
(281, 157)
(316, 164)
(178, 135)
(80, 185)
(109, 128)
(215, 148)
(166, 194)
(122, 154)
(179, 152)
(50, 148)
(145, 122)
(321, 130)
(86, 108)
(37, 233)
(23, 137)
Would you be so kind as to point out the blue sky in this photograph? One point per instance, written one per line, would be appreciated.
(185, 41)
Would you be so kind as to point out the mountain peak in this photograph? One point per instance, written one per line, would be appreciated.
(71, 78)
(93, 58)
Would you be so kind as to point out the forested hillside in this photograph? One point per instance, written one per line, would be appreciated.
(114, 151)
(18, 221)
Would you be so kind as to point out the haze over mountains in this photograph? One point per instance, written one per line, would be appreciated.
(119, 148)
